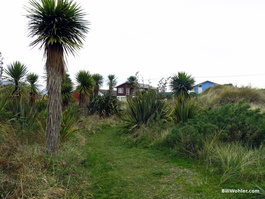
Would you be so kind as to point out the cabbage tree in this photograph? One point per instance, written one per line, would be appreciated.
(59, 28)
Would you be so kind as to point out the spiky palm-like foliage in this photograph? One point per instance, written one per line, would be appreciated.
(32, 79)
(112, 81)
(85, 88)
(98, 79)
(59, 27)
(184, 110)
(146, 109)
(16, 72)
(181, 84)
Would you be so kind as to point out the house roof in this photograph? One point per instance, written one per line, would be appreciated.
(140, 85)
(204, 82)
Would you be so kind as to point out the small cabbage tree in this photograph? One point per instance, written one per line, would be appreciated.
(16, 72)
(98, 79)
(85, 88)
(32, 79)
(181, 84)
(112, 81)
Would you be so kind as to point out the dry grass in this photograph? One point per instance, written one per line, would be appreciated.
(26, 171)
(223, 94)
(21, 166)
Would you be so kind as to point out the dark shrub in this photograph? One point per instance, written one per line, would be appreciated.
(104, 106)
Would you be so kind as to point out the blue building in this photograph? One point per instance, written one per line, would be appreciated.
(199, 88)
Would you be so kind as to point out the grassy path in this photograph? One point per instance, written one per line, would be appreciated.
(119, 171)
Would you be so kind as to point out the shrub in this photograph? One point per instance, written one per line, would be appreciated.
(238, 123)
(234, 122)
(188, 139)
(104, 106)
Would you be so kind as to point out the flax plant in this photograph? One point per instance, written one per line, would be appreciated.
(144, 109)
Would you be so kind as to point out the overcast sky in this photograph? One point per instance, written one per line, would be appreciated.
(217, 40)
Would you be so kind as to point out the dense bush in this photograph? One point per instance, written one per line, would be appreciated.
(104, 106)
(238, 123)
(231, 122)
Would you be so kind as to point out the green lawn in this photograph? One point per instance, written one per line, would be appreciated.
(119, 171)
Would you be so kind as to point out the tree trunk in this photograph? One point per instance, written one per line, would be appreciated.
(83, 103)
(32, 99)
(54, 115)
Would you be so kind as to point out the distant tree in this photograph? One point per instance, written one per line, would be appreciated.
(112, 81)
(67, 88)
(98, 79)
(162, 87)
(85, 88)
(59, 27)
(16, 71)
(181, 84)
(32, 79)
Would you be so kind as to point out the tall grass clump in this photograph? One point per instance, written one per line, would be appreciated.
(146, 109)
(4, 96)
(234, 161)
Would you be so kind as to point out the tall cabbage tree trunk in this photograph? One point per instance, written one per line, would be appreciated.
(54, 110)
(55, 70)
(83, 103)
(32, 99)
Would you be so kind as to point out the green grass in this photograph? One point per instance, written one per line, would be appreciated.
(119, 171)
(98, 162)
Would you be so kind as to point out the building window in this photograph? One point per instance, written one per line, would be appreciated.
(120, 90)
(127, 91)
